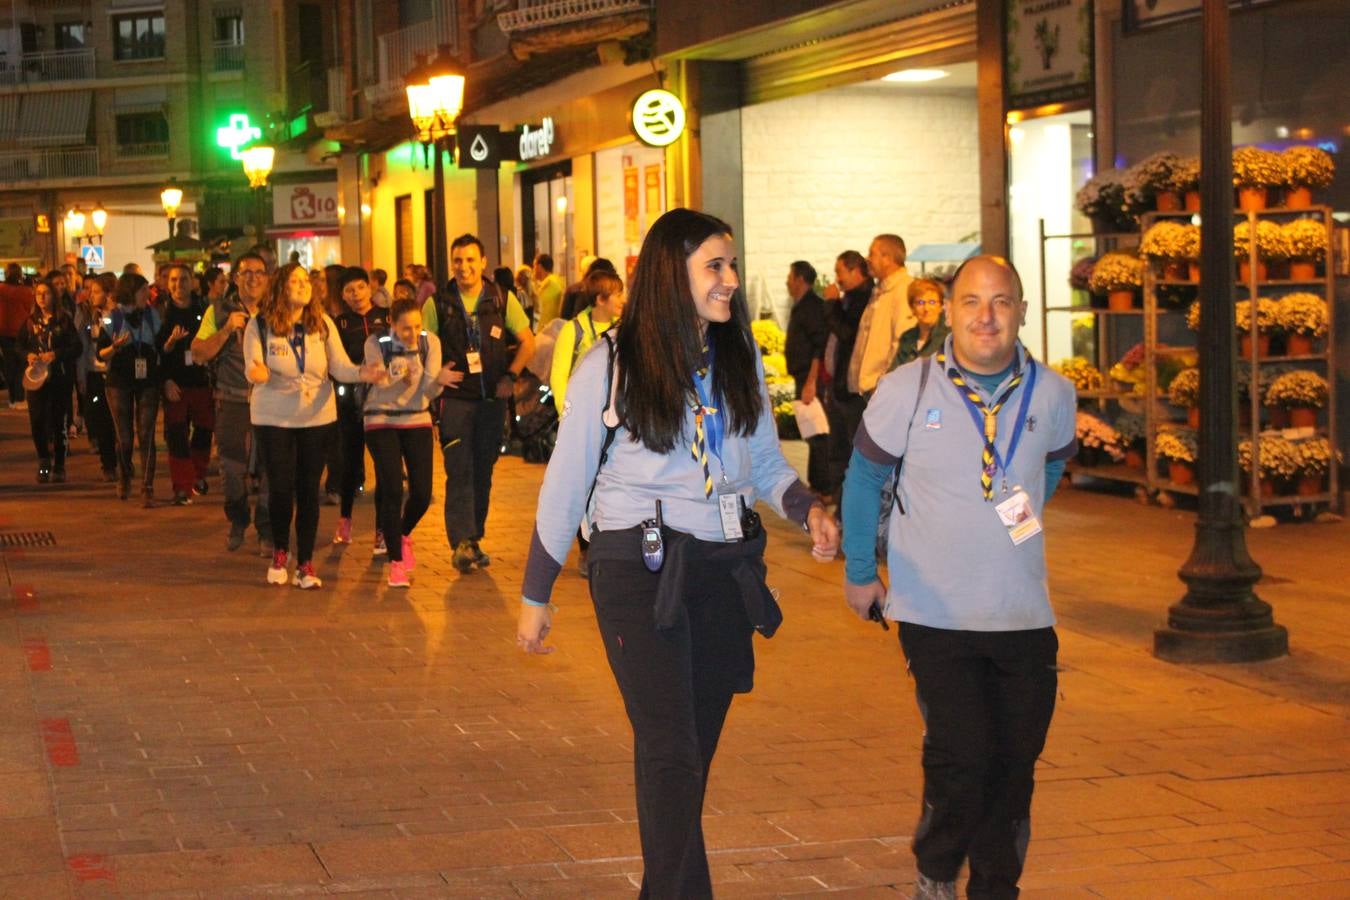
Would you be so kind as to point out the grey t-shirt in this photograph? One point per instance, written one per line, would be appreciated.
(951, 561)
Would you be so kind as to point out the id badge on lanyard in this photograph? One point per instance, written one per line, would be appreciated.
(142, 368)
(1018, 517)
(475, 361)
(729, 507)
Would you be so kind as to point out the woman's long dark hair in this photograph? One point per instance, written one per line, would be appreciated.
(660, 347)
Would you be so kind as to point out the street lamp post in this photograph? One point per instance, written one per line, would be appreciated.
(435, 98)
(258, 160)
(170, 198)
(1220, 619)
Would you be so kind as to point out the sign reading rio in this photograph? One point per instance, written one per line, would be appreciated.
(310, 203)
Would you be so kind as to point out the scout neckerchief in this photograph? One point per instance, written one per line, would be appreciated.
(708, 422)
(986, 418)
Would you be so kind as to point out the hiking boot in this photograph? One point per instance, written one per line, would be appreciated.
(480, 559)
(343, 534)
(235, 540)
(464, 557)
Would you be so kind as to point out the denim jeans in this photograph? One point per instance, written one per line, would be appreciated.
(135, 409)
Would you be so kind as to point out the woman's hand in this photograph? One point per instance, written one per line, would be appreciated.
(121, 339)
(258, 373)
(374, 373)
(171, 391)
(448, 376)
(824, 531)
(48, 357)
(32, 358)
(178, 333)
(532, 627)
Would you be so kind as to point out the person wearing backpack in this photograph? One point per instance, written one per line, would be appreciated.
(398, 428)
(220, 344)
(983, 433)
(474, 322)
(290, 349)
(607, 299)
(359, 320)
(673, 418)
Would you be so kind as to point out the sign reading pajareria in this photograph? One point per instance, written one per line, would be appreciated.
(1048, 52)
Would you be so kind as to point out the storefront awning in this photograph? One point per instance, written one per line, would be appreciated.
(55, 119)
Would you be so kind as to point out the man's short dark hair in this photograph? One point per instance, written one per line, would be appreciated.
(350, 274)
(253, 255)
(805, 271)
(380, 276)
(894, 246)
(601, 264)
(544, 261)
(465, 240)
(854, 261)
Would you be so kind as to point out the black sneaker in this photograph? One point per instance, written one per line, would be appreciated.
(182, 498)
(59, 476)
(200, 487)
(235, 540)
(480, 559)
(44, 475)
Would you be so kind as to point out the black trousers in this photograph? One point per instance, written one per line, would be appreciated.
(351, 453)
(293, 460)
(135, 410)
(677, 686)
(48, 418)
(394, 450)
(844, 416)
(98, 419)
(986, 700)
(471, 440)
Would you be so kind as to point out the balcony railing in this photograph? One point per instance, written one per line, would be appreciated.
(543, 13)
(33, 165)
(339, 99)
(229, 56)
(143, 149)
(52, 65)
(398, 51)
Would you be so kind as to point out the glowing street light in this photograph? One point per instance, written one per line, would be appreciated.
(100, 219)
(435, 100)
(170, 198)
(258, 161)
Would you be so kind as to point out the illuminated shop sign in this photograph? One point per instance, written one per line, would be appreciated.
(536, 142)
(658, 118)
(236, 134)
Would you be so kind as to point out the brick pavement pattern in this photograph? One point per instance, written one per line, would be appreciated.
(171, 726)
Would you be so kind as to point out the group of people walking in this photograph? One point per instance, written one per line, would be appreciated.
(666, 443)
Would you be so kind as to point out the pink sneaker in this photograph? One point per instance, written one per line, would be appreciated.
(398, 574)
(276, 573)
(409, 560)
(343, 535)
(305, 579)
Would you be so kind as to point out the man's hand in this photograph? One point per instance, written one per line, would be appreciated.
(532, 627)
(824, 531)
(860, 597)
(831, 292)
(49, 357)
(449, 376)
(259, 373)
(171, 392)
(237, 320)
(506, 387)
(809, 392)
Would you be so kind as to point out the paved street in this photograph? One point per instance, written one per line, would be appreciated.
(171, 726)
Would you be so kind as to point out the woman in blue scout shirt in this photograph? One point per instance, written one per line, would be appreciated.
(674, 418)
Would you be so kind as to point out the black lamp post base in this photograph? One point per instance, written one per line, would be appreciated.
(1184, 645)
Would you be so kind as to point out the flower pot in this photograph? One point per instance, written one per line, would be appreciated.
(1180, 472)
(1307, 485)
(1303, 269)
(1298, 344)
(1245, 270)
(1277, 416)
(1193, 271)
(1252, 199)
(1277, 269)
(1134, 458)
(1267, 487)
(1262, 345)
(1175, 270)
(1167, 201)
(1120, 301)
(1192, 201)
(1303, 417)
(1298, 197)
(1193, 417)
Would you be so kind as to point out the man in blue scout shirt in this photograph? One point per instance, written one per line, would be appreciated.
(984, 433)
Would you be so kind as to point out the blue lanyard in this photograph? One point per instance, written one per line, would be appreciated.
(714, 424)
(298, 346)
(977, 418)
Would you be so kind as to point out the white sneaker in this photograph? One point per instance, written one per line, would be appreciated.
(276, 573)
(305, 579)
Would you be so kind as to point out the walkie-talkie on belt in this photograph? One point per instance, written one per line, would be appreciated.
(653, 546)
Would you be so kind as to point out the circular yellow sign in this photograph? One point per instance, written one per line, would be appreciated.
(658, 118)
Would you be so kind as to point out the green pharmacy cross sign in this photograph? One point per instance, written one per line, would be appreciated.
(237, 135)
